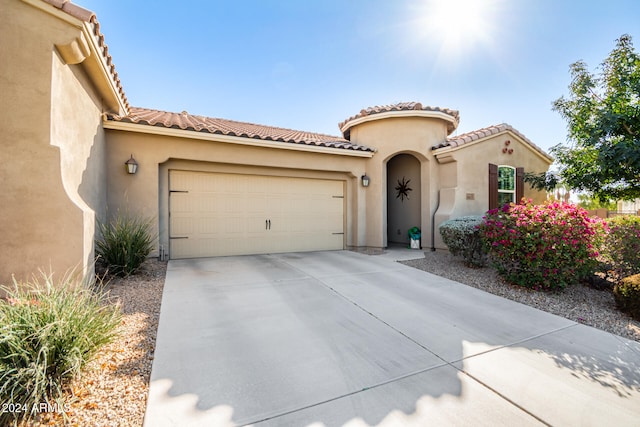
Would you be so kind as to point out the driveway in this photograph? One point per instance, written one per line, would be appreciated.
(335, 338)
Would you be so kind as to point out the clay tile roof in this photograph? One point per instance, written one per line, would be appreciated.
(402, 106)
(190, 122)
(72, 9)
(476, 135)
(90, 17)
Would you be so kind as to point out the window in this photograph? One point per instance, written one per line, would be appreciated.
(506, 185)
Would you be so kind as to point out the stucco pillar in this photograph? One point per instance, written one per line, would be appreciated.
(376, 200)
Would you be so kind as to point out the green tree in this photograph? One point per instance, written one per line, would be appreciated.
(586, 201)
(603, 120)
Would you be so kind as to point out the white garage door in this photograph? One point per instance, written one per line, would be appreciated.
(213, 214)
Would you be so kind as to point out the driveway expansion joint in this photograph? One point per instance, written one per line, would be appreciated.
(524, 340)
(353, 393)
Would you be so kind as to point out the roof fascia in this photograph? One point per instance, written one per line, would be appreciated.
(205, 136)
(54, 11)
(100, 66)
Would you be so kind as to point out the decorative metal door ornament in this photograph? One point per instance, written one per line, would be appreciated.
(403, 189)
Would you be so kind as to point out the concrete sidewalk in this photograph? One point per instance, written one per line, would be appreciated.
(335, 338)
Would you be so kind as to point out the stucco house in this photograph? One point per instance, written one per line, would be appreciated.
(217, 186)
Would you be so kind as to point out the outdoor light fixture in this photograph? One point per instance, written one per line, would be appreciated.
(132, 165)
(365, 180)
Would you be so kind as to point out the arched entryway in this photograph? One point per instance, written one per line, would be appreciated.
(403, 197)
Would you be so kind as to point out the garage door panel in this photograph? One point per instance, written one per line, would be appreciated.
(181, 226)
(299, 225)
(182, 203)
(254, 224)
(213, 214)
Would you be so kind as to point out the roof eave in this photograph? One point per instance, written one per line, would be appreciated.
(55, 11)
(214, 137)
(86, 50)
(98, 68)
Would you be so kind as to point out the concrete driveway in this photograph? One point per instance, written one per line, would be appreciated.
(339, 338)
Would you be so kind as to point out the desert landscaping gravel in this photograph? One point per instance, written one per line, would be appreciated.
(579, 303)
(113, 388)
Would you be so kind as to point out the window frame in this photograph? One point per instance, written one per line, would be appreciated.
(493, 185)
(512, 191)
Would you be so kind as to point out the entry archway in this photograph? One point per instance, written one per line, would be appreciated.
(403, 197)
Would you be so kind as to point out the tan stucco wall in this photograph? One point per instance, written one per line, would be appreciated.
(82, 151)
(465, 178)
(52, 147)
(392, 136)
(147, 192)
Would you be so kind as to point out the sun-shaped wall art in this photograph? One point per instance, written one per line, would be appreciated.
(403, 189)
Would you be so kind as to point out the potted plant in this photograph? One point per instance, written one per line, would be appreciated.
(414, 234)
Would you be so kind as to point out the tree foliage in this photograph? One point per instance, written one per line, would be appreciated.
(545, 181)
(603, 120)
(589, 202)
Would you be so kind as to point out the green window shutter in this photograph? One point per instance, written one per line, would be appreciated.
(493, 186)
(519, 184)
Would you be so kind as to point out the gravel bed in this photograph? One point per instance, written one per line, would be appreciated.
(113, 388)
(579, 303)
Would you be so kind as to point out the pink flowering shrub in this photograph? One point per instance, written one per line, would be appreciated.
(622, 245)
(544, 247)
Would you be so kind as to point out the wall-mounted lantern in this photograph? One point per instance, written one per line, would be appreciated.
(365, 180)
(132, 165)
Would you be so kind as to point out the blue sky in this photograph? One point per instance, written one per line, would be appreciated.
(309, 64)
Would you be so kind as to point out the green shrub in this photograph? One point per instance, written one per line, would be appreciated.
(124, 243)
(627, 295)
(546, 246)
(48, 331)
(622, 245)
(462, 237)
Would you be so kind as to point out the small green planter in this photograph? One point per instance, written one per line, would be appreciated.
(414, 234)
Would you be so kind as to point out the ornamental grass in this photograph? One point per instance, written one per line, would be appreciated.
(48, 332)
(124, 243)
